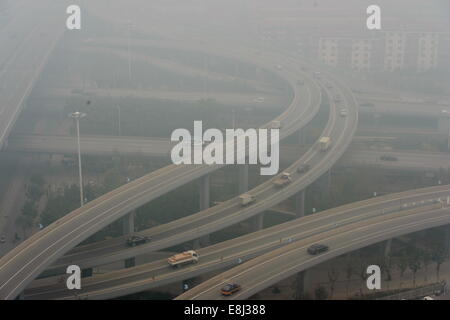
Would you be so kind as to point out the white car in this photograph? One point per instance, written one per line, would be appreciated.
(344, 112)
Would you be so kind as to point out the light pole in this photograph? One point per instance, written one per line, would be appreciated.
(77, 116)
(130, 26)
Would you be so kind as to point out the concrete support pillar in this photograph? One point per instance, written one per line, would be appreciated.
(128, 229)
(201, 242)
(257, 222)
(204, 192)
(302, 283)
(387, 248)
(204, 204)
(243, 178)
(205, 241)
(300, 204)
(128, 223)
(196, 244)
(130, 262)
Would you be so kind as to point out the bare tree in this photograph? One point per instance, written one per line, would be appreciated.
(362, 272)
(402, 263)
(426, 260)
(438, 256)
(333, 275)
(414, 263)
(349, 271)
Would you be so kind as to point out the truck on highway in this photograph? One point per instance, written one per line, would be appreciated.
(180, 259)
(246, 199)
(283, 180)
(343, 112)
(324, 143)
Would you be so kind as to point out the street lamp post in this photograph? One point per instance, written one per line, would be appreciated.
(77, 116)
(130, 27)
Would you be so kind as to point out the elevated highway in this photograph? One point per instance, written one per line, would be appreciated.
(25, 262)
(155, 147)
(239, 250)
(30, 258)
(230, 212)
(268, 269)
(27, 42)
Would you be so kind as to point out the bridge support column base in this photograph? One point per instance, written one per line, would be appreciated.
(257, 222)
(196, 244)
(129, 263)
(387, 249)
(128, 224)
(302, 285)
(205, 241)
(201, 242)
(300, 204)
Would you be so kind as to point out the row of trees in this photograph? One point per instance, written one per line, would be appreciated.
(414, 258)
(418, 255)
(35, 189)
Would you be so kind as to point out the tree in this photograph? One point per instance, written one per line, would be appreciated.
(414, 263)
(321, 293)
(438, 256)
(25, 222)
(29, 210)
(349, 271)
(426, 260)
(38, 180)
(362, 273)
(402, 263)
(333, 275)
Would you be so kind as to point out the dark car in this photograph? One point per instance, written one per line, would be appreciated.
(388, 158)
(317, 248)
(303, 168)
(2, 239)
(230, 289)
(137, 240)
